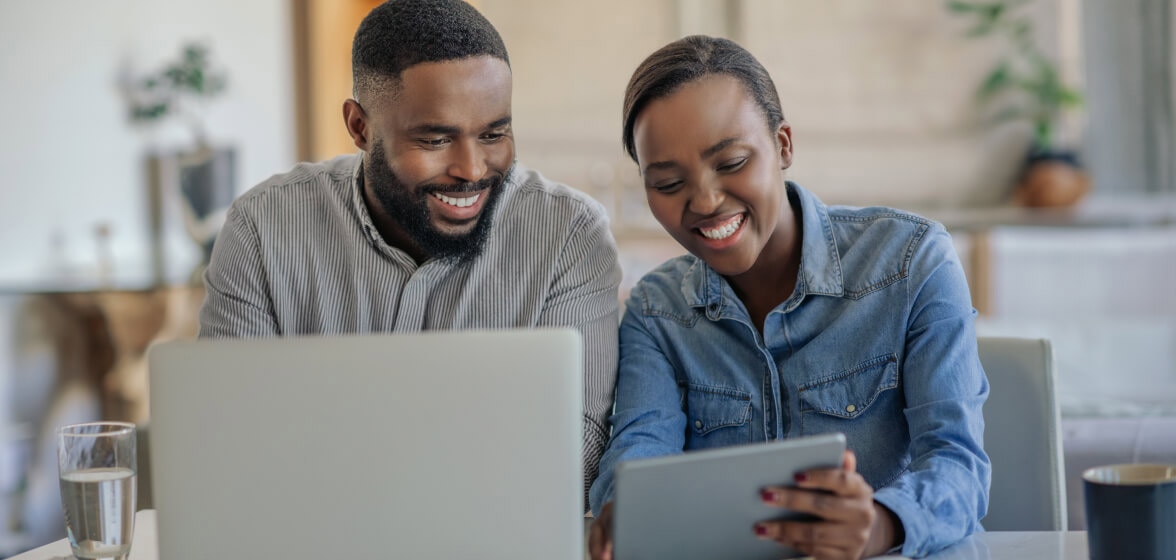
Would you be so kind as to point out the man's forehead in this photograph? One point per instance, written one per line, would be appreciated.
(464, 89)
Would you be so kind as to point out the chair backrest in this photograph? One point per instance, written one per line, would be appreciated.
(1022, 436)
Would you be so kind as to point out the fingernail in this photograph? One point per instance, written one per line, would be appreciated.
(800, 477)
(768, 495)
(761, 530)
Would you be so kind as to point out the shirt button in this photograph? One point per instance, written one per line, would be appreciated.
(850, 408)
(698, 424)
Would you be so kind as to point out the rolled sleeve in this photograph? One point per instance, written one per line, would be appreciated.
(943, 493)
(648, 420)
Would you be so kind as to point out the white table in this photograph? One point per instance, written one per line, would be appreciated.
(143, 545)
(987, 546)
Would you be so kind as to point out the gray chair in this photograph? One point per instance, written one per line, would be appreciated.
(1022, 436)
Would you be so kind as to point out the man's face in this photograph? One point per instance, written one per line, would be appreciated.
(441, 147)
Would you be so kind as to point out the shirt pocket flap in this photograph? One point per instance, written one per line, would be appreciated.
(711, 408)
(849, 393)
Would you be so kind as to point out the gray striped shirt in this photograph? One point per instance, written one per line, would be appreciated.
(300, 255)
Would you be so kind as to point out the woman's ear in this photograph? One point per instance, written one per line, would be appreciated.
(784, 141)
(357, 126)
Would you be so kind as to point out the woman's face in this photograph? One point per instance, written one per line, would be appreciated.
(714, 173)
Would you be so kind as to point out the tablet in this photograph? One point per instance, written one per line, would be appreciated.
(704, 504)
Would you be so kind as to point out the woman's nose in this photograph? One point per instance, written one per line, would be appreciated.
(706, 199)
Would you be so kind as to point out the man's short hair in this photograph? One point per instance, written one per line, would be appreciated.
(399, 34)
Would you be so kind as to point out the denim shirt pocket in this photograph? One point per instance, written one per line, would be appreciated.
(830, 404)
(717, 416)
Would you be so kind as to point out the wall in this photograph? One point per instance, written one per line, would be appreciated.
(880, 94)
(70, 159)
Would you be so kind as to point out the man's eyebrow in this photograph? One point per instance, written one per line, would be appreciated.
(432, 128)
(705, 154)
(450, 130)
(504, 121)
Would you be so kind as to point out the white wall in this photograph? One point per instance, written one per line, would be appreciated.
(880, 94)
(69, 158)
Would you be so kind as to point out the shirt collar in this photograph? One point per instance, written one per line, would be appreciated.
(360, 207)
(820, 261)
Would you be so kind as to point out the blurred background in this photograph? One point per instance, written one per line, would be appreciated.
(127, 126)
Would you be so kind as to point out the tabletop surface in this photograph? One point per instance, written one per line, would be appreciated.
(985, 546)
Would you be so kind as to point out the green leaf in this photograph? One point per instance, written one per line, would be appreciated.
(960, 7)
(149, 112)
(1068, 97)
(1010, 114)
(999, 79)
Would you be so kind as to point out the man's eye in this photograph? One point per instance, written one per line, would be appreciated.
(496, 135)
(434, 142)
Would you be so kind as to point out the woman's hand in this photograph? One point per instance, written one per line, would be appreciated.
(600, 542)
(851, 524)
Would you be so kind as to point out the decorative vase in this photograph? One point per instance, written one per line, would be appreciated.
(202, 183)
(1051, 179)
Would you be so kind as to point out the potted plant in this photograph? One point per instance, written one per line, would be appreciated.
(1025, 86)
(203, 175)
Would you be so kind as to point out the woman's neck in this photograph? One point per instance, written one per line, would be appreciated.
(772, 279)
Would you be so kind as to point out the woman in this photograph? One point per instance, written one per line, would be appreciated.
(792, 318)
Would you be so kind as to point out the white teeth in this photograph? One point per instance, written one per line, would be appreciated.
(458, 202)
(723, 231)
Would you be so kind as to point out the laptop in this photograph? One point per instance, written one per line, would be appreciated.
(704, 504)
(436, 445)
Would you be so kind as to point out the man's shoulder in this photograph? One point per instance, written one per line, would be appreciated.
(555, 200)
(317, 180)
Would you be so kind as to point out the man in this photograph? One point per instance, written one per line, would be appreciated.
(433, 226)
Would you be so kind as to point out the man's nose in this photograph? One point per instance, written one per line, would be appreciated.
(468, 161)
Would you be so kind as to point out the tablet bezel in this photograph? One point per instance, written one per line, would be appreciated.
(704, 504)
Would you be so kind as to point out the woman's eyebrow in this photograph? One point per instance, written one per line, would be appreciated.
(716, 148)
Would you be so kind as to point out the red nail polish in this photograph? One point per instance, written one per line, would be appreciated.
(768, 495)
(800, 477)
(761, 530)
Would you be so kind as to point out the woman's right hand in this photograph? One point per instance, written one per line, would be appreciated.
(600, 543)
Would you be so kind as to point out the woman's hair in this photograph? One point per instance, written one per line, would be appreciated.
(689, 59)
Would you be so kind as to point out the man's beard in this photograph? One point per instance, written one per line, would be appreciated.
(410, 210)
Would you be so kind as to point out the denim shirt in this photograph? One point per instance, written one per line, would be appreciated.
(876, 342)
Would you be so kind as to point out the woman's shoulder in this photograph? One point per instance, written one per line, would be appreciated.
(885, 217)
(663, 289)
(884, 230)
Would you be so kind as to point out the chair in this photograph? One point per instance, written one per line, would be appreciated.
(1022, 436)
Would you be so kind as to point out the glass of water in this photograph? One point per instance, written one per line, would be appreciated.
(96, 466)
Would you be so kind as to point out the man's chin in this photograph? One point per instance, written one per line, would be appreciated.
(452, 230)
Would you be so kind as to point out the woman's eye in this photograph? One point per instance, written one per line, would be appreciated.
(667, 187)
(493, 136)
(733, 165)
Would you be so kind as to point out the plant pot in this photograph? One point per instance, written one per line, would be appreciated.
(1051, 179)
(197, 186)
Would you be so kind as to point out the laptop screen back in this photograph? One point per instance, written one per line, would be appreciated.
(442, 445)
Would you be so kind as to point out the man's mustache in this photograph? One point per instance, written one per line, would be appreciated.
(483, 184)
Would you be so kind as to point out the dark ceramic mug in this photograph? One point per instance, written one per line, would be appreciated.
(1131, 511)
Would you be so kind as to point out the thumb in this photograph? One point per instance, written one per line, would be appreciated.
(849, 461)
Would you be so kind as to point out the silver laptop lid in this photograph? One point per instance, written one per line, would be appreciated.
(437, 445)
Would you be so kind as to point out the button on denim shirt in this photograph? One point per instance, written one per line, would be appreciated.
(876, 342)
